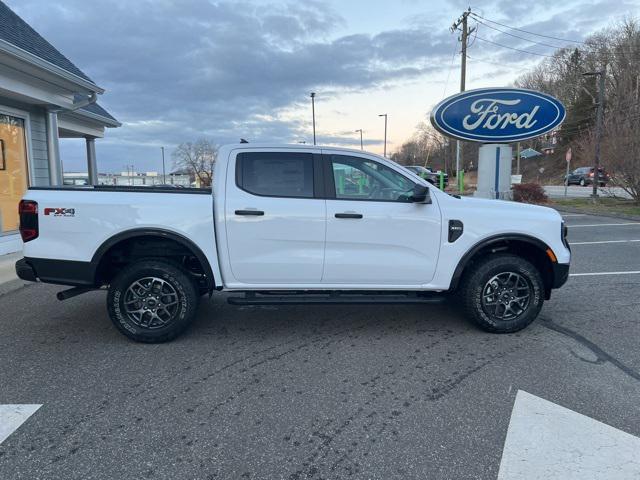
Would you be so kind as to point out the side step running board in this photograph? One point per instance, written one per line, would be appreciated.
(278, 298)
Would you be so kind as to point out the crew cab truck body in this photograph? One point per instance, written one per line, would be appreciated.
(293, 224)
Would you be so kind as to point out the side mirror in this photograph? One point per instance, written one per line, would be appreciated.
(420, 194)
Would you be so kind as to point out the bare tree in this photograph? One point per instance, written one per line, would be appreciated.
(198, 158)
(426, 147)
(620, 144)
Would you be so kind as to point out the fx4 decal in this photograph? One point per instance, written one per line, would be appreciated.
(60, 212)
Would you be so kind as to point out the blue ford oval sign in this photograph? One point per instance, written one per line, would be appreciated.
(497, 115)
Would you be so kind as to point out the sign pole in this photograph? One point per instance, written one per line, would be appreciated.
(567, 157)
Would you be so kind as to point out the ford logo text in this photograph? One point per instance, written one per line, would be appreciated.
(497, 115)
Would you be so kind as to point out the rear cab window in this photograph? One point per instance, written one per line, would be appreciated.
(276, 174)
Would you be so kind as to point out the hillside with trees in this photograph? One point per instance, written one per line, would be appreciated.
(616, 51)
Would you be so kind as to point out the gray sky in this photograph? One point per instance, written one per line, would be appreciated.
(179, 70)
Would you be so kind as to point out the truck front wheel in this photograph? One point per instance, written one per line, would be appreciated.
(152, 301)
(502, 293)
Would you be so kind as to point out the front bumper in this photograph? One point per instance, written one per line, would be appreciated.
(560, 274)
(25, 271)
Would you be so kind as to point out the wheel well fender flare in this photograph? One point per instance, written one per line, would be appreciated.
(487, 242)
(157, 233)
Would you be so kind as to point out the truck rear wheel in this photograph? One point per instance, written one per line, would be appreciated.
(152, 301)
(502, 293)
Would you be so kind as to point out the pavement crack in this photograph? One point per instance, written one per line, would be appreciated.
(600, 354)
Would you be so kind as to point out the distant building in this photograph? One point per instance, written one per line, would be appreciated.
(43, 97)
(138, 179)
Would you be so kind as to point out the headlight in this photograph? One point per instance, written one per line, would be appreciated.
(564, 230)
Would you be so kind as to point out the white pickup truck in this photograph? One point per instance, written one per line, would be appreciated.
(288, 225)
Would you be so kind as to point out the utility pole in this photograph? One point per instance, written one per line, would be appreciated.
(313, 115)
(385, 133)
(466, 31)
(361, 144)
(596, 168)
(164, 173)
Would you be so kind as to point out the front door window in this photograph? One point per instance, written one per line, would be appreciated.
(361, 179)
(13, 170)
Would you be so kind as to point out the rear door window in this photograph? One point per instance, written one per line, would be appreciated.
(275, 174)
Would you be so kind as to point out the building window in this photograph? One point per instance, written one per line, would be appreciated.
(13, 170)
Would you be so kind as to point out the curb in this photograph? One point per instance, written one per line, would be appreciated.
(622, 216)
(12, 286)
(9, 281)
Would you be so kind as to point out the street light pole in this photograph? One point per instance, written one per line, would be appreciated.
(596, 168)
(164, 173)
(385, 132)
(313, 115)
(361, 144)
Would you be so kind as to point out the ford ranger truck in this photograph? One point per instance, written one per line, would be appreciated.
(292, 224)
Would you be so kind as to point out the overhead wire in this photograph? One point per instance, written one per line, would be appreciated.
(453, 56)
(513, 48)
(528, 32)
(479, 19)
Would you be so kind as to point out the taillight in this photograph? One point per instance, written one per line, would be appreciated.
(28, 211)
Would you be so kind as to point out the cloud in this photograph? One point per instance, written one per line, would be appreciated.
(178, 70)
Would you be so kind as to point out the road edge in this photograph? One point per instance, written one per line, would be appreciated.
(622, 216)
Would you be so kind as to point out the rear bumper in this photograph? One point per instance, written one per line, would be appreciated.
(560, 274)
(60, 272)
(25, 271)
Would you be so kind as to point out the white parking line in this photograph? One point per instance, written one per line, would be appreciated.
(603, 241)
(633, 272)
(12, 416)
(603, 225)
(574, 215)
(545, 440)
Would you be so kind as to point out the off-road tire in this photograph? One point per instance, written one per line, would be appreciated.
(176, 280)
(475, 281)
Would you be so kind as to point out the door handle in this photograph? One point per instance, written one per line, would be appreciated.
(348, 215)
(256, 213)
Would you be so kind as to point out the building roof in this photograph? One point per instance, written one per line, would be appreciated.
(17, 32)
(529, 153)
(95, 111)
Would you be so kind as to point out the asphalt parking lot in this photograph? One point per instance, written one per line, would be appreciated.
(378, 392)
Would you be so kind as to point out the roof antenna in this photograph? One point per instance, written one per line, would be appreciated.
(242, 140)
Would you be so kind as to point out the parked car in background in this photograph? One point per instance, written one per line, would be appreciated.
(584, 176)
(429, 175)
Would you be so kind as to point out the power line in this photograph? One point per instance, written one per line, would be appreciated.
(499, 64)
(453, 57)
(593, 48)
(518, 36)
(513, 48)
(526, 31)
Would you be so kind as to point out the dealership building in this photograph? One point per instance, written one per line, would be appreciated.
(43, 97)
